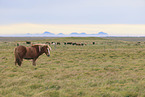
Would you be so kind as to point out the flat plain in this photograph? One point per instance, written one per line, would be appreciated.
(109, 68)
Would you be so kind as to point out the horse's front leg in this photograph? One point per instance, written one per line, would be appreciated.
(34, 62)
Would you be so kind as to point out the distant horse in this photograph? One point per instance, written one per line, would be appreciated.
(79, 44)
(93, 43)
(74, 43)
(33, 52)
(58, 43)
(28, 42)
(48, 43)
(64, 43)
(69, 43)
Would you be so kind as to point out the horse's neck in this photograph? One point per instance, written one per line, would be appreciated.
(38, 50)
(40, 53)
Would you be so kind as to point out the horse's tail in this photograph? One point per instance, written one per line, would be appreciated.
(17, 57)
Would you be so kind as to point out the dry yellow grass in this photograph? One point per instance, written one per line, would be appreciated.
(109, 68)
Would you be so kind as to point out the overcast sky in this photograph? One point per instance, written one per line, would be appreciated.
(72, 11)
(115, 17)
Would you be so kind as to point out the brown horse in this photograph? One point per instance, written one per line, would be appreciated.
(33, 52)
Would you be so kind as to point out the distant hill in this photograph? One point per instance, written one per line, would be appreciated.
(75, 33)
(102, 33)
(48, 33)
(60, 34)
(83, 33)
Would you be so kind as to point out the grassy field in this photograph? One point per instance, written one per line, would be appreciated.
(110, 68)
(135, 39)
(8, 39)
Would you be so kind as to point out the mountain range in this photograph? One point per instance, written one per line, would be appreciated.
(100, 34)
(49, 34)
(72, 34)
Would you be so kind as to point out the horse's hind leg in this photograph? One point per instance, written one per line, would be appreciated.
(18, 61)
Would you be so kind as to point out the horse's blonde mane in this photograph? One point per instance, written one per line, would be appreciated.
(42, 45)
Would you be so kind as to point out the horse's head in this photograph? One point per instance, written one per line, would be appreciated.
(46, 50)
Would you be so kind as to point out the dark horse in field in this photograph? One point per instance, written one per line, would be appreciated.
(33, 52)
